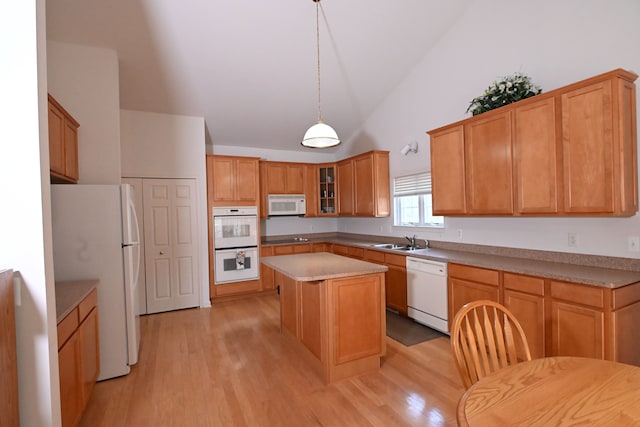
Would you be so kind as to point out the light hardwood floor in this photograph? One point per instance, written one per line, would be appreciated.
(230, 366)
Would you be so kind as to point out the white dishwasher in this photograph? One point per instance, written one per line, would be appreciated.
(427, 298)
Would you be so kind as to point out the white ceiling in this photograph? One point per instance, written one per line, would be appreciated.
(248, 66)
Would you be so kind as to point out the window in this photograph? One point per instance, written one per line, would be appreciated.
(412, 201)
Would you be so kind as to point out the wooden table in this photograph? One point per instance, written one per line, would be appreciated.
(555, 391)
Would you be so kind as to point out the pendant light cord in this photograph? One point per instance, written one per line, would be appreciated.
(318, 49)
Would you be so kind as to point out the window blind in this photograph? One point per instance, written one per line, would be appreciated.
(409, 185)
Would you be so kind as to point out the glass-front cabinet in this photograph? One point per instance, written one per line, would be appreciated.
(327, 189)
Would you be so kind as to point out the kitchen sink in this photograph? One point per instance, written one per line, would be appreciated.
(391, 246)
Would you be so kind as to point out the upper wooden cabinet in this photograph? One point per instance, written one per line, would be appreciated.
(599, 146)
(571, 151)
(363, 185)
(283, 177)
(63, 144)
(488, 165)
(232, 180)
(344, 171)
(448, 171)
(537, 154)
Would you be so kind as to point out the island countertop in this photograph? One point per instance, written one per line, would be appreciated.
(320, 266)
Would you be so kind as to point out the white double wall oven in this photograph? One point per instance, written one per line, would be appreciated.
(235, 239)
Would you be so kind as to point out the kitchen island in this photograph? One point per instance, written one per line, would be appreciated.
(334, 307)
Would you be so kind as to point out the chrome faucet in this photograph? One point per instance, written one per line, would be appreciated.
(412, 241)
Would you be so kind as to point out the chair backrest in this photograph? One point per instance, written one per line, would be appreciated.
(486, 337)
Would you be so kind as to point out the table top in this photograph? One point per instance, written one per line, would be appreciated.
(310, 267)
(555, 391)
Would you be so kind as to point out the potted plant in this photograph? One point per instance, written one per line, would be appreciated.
(504, 91)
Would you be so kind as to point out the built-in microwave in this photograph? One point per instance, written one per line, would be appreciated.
(286, 204)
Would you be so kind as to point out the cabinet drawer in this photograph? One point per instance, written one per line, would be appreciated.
(87, 304)
(579, 294)
(283, 250)
(356, 252)
(374, 256)
(340, 249)
(393, 259)
(476, 274)
(67, 327)
(526, 284)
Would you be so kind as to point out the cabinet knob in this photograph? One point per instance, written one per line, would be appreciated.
(161, 252)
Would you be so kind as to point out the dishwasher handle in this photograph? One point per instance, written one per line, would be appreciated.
(426, 266)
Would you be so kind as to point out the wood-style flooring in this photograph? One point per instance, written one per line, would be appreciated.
(230, 366)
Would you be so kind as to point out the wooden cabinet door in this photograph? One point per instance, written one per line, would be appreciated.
(71, 150)
(311, 326)
(464, 291)
(448, 171)
(284, 178)
(396, 288)
(276, 178)
(90, 354)
(70, 383)
(288, 303)
(63, 143)
(246, 179)
(221, 171)
(9, 405)
(363, 186)
(345, 188)
(524, 297)
(313, 194)
(232, 180)
(267, 274)
(588, 149)
(489, 165)
(56, 140)
(295, 174)
(537, 152)
(576, 330)
(529, 310)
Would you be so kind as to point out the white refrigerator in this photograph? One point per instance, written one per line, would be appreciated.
(96, 236)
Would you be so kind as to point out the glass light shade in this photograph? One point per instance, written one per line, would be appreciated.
(320, 135)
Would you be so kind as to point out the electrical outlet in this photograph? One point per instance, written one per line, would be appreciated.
(572, 240)
(459, 234)
(633, 244)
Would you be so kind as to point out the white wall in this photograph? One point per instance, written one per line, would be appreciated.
(556, 43)
(157, 145)
(25, 217)
(84, 80)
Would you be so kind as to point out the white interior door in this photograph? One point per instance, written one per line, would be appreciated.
(171, 244)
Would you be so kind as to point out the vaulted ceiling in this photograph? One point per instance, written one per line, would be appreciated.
(248, 66)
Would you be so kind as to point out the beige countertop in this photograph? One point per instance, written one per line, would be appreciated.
(564, 271)
(320, 266)
(70, 294)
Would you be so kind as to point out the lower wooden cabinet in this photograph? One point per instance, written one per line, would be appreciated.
(78, 358)
(395, 279)
(559, 318)
(524, 297)
(70, 383)
(468, 284)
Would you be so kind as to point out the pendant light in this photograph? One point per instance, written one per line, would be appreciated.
(319, 135)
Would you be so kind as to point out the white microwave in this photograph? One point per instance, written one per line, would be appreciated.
(286, 204)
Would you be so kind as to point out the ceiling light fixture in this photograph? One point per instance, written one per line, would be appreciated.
(320, 135)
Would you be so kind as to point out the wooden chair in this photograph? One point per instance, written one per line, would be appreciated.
(486, 337)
